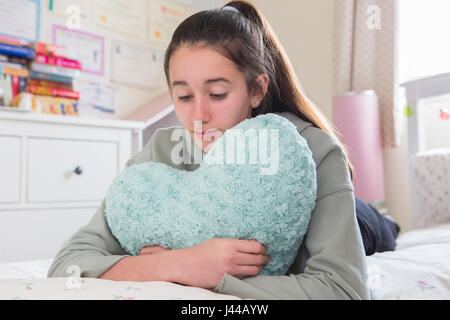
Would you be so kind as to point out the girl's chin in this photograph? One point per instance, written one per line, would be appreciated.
(205, 146)
(208, 146)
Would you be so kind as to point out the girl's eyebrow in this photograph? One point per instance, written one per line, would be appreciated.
(209, 81)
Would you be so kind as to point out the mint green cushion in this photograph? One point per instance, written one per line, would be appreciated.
(154, 204)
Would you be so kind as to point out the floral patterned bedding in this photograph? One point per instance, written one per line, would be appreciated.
(419, 268)
(98, 289)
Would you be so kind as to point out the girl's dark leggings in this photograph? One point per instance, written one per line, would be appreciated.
(378, 233)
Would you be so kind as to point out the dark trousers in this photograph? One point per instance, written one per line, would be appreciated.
(378, 233)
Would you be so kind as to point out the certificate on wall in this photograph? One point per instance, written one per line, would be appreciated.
(82, 46)
(20, 19)
(122, 16)
(96, 98)
(136, 65)
(164, 18)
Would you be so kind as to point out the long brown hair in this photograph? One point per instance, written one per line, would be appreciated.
(247, 39)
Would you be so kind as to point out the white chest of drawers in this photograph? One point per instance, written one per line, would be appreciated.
(54, 173)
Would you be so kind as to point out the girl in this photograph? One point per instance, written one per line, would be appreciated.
(224, 66)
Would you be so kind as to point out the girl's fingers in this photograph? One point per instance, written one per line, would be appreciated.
(250, 259)
(250, 246)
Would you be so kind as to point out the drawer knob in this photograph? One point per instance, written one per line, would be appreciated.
(78, 170)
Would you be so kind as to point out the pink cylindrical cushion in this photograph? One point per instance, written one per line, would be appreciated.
(356, 117)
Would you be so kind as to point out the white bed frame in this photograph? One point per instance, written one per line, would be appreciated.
(416, 91)
(430, 88)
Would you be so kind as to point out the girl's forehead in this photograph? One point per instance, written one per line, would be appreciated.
(200, 56)
(202, 64)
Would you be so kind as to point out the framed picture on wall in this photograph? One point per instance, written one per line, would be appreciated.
(83, 46)
(20, 19)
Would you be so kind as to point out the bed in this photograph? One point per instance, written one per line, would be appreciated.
(418, 269)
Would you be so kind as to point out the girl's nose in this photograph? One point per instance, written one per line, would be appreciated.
(201, 110)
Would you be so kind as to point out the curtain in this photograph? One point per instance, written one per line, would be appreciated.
(366, 57)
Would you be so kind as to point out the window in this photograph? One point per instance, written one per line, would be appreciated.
(424, 38)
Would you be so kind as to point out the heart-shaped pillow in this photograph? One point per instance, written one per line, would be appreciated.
(267, 195)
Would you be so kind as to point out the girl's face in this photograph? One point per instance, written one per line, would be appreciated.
(209, 93)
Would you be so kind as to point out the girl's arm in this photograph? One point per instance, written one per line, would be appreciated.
(201, 266)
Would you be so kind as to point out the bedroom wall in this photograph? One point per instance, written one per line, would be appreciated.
(397, 182)
(305, 29)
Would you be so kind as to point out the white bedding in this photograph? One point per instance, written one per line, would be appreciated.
(98, 289)
(418, 269)
(25, 270)
(27, 280)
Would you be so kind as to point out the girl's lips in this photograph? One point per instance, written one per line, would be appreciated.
(207, 134)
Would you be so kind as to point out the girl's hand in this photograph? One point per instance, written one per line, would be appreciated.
(205, 264)
(152, 249)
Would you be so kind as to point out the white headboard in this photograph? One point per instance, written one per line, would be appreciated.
(428, 196)
(436, 87)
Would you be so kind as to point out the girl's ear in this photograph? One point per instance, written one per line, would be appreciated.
(260, 90)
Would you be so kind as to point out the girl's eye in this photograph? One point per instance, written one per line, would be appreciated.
(215, 96)
(183, 98)
(219, 96)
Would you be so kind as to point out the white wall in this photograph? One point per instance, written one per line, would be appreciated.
(305, 29)
(397, 182)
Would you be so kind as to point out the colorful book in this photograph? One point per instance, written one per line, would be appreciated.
(15, 84)
(5, 83)
(52, 84)
(50, 77)
(11, 59)
(61, 71)
(23, 84)
(14, 41)
(58, 61)
(21, 72)
(61, 106)
(11, 86)
(18, 60)
(48, 49)
(22, 52)
(55, 92)
(13, 65)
